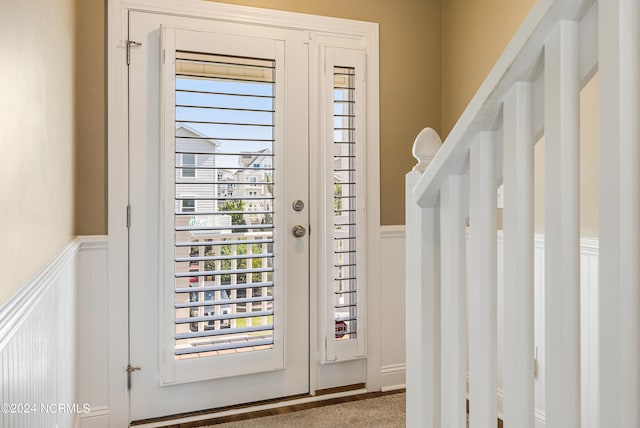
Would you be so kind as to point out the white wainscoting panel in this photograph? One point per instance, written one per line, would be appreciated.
(93, 331)
(589, 336)
(588, 327)
(392, 310)
(38, 349)
(538, 327)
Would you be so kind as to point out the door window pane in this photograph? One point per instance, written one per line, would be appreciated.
(224, 243)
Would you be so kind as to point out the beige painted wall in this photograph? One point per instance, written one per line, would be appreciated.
(589, 166)
(589, 160)
(37, 107)
(474, 34)
(91, 151)
(433, 59)
(409, 92)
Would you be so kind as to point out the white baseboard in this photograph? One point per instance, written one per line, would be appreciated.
(393, 377)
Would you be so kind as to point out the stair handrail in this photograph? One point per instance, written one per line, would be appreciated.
(520, 61)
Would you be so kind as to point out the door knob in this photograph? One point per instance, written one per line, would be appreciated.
(298, 231)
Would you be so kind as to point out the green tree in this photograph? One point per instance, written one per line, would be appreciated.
(267, 179)
(236, 218)
(337, 201)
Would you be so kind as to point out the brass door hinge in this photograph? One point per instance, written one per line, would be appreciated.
(130, 369)
(128, 44)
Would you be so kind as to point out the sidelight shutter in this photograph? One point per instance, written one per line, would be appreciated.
(345, 261)
(345, 225)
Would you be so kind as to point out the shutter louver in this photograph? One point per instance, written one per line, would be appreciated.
(224, 117)
(344, 203)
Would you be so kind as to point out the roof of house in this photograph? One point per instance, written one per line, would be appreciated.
(183, 130)
(249, 158)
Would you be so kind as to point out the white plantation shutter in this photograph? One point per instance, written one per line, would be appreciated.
(345, 146)
(344, 203)
(224, 118)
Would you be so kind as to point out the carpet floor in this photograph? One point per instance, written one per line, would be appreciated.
(387, 411)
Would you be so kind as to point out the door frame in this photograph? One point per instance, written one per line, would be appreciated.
(118, 176)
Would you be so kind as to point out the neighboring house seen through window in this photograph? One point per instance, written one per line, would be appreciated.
(187, 206)
(188, 165)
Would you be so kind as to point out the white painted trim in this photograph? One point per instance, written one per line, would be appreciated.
(92, 366)
(256, 408)
(18, 308)
(391, 333)
(97, 412)
(93, 242)
(392, 372)
(393, 368)
(248, 14)
(393, 231)
(118, 196)
(393, 387)
(589, 246)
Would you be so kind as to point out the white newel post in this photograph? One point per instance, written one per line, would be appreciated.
(619, 289)
(422, 295)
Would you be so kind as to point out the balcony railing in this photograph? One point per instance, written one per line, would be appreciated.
(224, 289)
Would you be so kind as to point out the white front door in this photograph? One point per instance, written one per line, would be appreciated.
(218, 255)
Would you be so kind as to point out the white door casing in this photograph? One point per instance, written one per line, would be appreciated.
(319, 33)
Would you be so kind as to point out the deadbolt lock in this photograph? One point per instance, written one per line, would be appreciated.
(298, 205)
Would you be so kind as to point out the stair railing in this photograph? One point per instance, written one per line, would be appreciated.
(451, 219)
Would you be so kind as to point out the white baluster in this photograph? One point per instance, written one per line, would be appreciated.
(422, 297)
(454, 201)
(562, 227)
(518, 165)
(234, 281)
(483, 283)
(619, 278)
